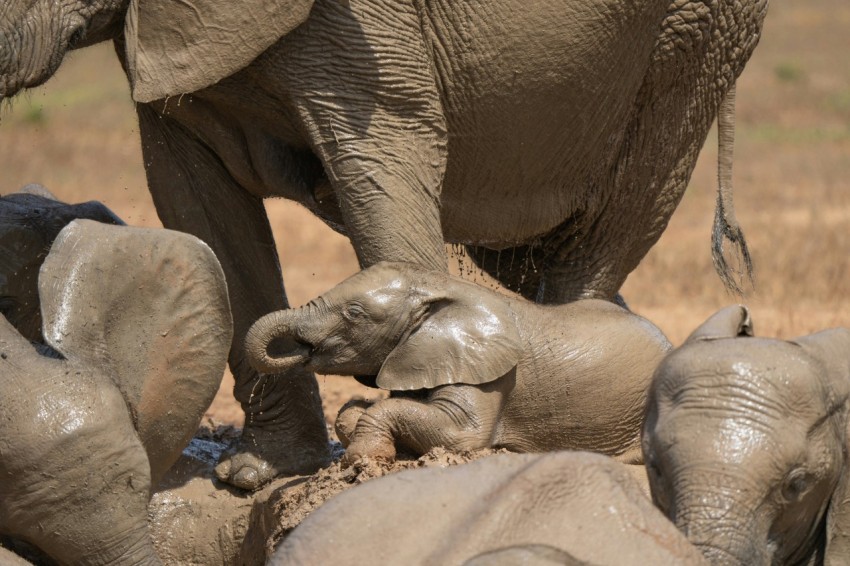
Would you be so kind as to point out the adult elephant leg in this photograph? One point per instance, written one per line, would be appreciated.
(360, 75)
(284, 432)
(592, 260)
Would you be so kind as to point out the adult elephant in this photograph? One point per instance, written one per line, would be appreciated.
(562, 133)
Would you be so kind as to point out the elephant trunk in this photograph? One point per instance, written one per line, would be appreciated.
(721, 529)
(33, 42)
(277, 331)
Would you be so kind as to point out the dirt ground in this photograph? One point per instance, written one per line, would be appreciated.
(78, 136)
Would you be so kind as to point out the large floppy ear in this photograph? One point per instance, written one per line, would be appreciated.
(832, 349)
(731, 322)
(180, 47)
(838, 514)
(148, 307)
(468, 336)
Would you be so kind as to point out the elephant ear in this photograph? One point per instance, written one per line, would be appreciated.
(831, 348)
(731, 322)
(838, 517)
(149, 307)
(180, 47)
(473, 340)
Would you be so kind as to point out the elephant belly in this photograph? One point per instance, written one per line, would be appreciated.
(536, 97)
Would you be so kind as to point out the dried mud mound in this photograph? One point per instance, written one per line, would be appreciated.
(195, 519)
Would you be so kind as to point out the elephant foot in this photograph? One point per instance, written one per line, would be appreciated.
(260, 456)
(346, 419)
(374, 449)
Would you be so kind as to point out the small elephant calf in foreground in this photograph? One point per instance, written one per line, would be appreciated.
(498, 371)
(565, 508)
(141, 324)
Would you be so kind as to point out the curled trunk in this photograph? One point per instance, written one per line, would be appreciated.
(272, 343)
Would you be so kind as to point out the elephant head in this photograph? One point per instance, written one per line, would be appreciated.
(171, 47)
(29, 222)
(410, 327)
(746, 443)
(139, 326)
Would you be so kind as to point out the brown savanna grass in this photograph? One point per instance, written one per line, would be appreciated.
(78, 136)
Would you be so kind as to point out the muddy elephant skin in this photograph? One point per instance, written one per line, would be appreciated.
(746, 443)
(564, 508)
(562, 133)
(136, 358)
(497, 371)
(29, 222)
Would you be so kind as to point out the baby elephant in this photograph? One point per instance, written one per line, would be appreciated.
(137, 329)
(30, 220)
(498, 371)
(747, 445)
(564, 508)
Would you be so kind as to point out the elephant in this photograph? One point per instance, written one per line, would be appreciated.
(29, 222)
(553, 139)
(496, 371)
(746, 443)
(564, 508)
(137, 329)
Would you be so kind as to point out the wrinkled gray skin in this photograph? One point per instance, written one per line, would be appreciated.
(746, 443)
(95, 416)
(498, 371)
(29, 222)
(566, 508)
(561, 133)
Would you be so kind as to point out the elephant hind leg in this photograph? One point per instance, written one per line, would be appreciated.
(456, 417)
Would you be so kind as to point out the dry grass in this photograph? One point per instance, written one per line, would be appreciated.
(77, 135)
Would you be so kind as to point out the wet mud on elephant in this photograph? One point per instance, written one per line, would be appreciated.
(480, 369)
(564, 508)
(136, 331)
(561, 133)
(746, 443)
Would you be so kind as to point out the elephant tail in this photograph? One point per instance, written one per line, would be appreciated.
(726, 226)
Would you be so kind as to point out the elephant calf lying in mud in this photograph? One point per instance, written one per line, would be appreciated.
(746, 443)
(137, 328)
(566, 508)
(497, 371)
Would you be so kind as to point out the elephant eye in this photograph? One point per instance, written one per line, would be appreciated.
(653, 468)
(353, 311)
(795, 485)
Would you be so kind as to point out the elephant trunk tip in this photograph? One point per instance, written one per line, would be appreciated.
(272, 333)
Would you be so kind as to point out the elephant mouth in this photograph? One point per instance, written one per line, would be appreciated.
(288, 353)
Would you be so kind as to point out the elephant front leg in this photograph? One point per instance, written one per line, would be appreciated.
(456, 417)
(366, 93)
(285, 431)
